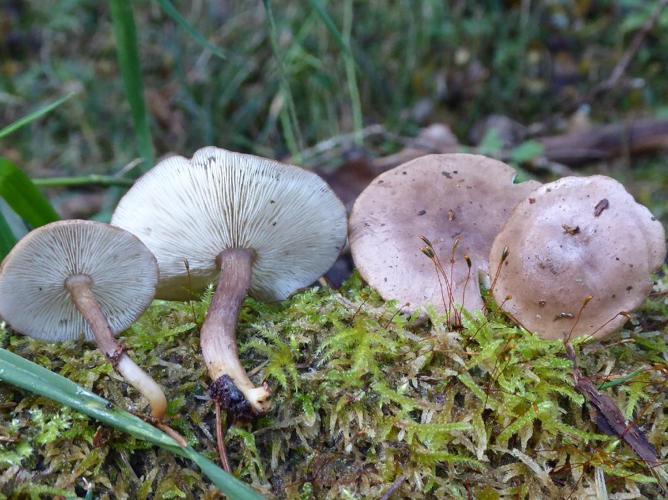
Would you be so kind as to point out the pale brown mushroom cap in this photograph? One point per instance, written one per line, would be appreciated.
(444, 198)
(574, 238)
(33, 297)
(189, 211)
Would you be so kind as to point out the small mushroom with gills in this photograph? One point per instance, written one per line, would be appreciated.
(250, 224)
(579, 255)
(72, 279)
(458, 202)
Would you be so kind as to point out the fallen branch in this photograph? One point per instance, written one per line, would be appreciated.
(608, 141)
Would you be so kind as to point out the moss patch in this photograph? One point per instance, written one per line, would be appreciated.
(365, 400)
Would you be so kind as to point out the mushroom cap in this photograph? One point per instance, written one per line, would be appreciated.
(445, 198)
(33, 297)
(561, 251)
(188, 211)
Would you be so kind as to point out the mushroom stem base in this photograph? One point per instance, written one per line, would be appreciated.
(231, 387)
(80, 288)
(233, 401)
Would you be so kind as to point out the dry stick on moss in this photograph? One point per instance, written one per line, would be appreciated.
(608, 416)
(394, 488)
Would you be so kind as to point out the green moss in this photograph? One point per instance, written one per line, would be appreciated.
(364, 398)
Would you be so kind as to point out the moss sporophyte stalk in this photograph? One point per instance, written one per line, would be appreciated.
(363, 397)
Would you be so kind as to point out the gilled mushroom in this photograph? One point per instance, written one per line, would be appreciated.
(575, 257)
(251, 224)
(72, 279)
(456, 203)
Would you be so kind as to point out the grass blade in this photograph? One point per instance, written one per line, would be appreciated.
(23, 196)
(35, 115)
(343, 41)
(31, 377)
(176, 16)
(7, 238)
(331, 27)
(127, 50)
(289, 111)
(86, 180)
(351, 77)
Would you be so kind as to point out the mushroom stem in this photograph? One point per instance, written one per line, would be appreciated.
(218, 336)
(79, 287)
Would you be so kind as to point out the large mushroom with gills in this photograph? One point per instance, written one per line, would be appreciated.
(575, 257)
(453, 203)
(79, 279)
(250, 224)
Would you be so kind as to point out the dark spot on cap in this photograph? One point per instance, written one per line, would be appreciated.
(564, 315)
(403, 173)
(600, 206)
(272, 201)
(446, 174)
(532, 201)
(570, 229)
(629, 288)
(422, 212)
(542, 303)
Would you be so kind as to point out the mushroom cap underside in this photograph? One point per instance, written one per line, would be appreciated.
(33, 297)
(188, 211)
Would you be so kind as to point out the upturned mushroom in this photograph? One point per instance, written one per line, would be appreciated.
(78, 279)
(250, 224)
(575, 257)
(454, 203)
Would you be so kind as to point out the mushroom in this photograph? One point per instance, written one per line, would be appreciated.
(72, 279)
(575, 257)
(456, 204)
(251, 224)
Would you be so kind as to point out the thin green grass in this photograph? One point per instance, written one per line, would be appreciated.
(288, 113)
(85, 180)
(31, 377)
(344, 42)
(127, 50)
(351, 77)
(176, 16)
(35, 115)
